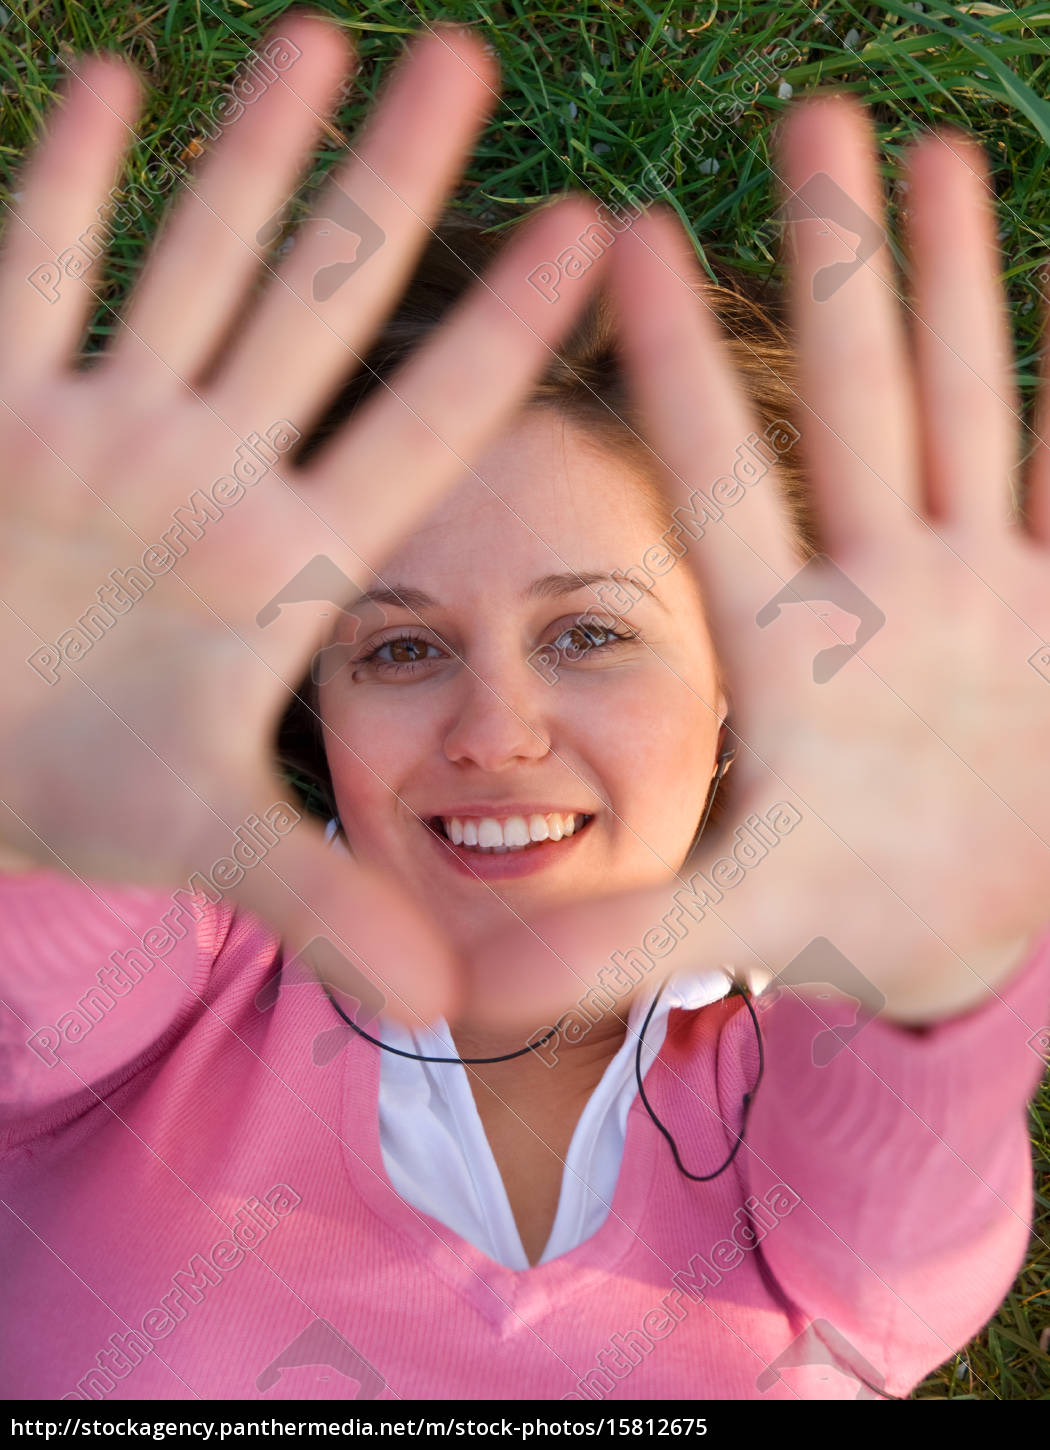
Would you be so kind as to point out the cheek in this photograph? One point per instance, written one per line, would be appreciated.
(655, 751)
(374, 751)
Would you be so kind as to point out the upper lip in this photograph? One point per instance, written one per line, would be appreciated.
(507, 808)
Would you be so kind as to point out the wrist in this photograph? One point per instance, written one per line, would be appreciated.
(934, 994)
(14, 863)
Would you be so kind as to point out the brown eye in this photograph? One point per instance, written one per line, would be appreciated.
(581, 638)
(400, 655)
(406, 651)
(398, 658)
(584, 636)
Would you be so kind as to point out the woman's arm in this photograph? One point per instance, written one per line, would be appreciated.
(909, 1155)
(95, 977)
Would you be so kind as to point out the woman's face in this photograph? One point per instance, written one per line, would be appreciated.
(495, 704)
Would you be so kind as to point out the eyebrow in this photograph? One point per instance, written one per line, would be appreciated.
(547, 586)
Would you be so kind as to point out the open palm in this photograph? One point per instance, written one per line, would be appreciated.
(167, 569)
(893, 691)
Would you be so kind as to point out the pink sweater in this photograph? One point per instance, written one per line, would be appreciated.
(192, 1207)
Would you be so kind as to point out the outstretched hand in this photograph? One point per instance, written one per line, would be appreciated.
(893, 692)
(154, 525)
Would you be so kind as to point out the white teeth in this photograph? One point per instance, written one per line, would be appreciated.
(538, 828)
(511, 834)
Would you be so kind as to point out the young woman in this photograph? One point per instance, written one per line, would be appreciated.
(529, 599)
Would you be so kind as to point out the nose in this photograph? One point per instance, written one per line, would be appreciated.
(500, 719)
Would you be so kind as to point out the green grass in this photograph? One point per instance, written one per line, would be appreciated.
(594, 92)
(1010, 1358)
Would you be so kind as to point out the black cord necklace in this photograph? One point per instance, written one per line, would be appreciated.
(723, 763)
(467, 1061)
(749, 1096)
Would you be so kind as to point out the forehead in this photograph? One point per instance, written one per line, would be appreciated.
(546, 499)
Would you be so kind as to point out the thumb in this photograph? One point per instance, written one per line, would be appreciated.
(594, 956)
(354, 925)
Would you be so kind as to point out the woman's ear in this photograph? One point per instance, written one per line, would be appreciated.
(726, 744)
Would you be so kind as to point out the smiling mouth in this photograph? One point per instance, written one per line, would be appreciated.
(489, 836)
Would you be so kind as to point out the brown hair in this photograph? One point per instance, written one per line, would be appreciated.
(584, 383)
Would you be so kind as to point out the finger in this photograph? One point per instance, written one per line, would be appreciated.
(358, 928)
(523, 975)
(416, 436)
(352, 258)
(1037, 482)
(54, 238)
(697, 421)
(963, 355)
(195, 281)
(859, 432)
